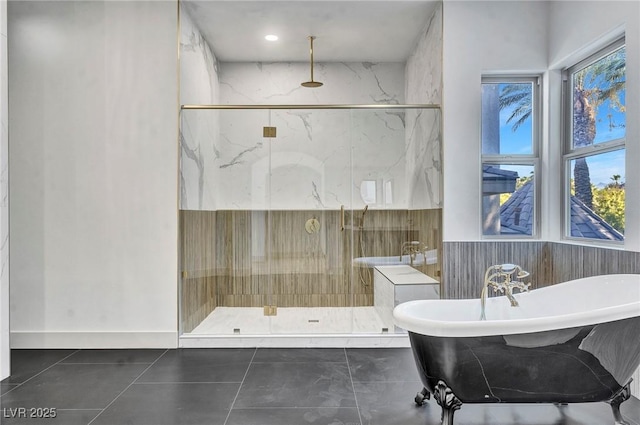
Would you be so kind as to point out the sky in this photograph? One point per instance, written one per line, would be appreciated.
(601, 167)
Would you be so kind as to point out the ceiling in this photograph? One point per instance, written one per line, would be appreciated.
(345, 31)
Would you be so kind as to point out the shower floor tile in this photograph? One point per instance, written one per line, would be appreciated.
(290, 320)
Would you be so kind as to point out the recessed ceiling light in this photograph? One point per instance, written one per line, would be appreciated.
(271, 37)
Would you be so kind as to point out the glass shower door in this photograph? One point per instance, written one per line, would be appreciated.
(285, 213)
(310, 192)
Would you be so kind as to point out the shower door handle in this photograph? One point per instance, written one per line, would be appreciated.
(342, 218)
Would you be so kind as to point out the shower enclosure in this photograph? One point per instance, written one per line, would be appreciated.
(285, 210)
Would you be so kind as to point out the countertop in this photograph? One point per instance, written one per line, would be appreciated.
(405, 275)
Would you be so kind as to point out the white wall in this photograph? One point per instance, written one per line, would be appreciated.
(607, 20)
(518, 37)
(479, 38)
(5, 354)
(94, 156)
(486, 37)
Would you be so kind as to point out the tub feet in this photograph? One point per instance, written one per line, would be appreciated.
(422, 396)
(622, 396)
(447, 401)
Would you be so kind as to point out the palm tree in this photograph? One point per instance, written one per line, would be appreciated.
(517, 96)
(592, 86)
(616, 180)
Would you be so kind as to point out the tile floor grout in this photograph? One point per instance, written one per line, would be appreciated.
(353, 387)
(127, 387)
(40, 373)
(246, 372)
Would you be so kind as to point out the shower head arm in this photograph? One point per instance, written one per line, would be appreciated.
(311, 54)
(312, 82)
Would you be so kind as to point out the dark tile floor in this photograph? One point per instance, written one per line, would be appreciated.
(247, 387)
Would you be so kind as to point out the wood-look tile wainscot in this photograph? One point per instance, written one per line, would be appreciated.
(464, 263)
(256, 258)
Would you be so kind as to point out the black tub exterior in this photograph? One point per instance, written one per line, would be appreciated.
(584, 364)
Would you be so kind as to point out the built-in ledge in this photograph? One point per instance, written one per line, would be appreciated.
(396, 284)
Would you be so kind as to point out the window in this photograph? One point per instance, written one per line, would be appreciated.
(594, 156)
(510, 133)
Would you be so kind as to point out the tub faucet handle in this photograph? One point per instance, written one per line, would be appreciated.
(503, 278)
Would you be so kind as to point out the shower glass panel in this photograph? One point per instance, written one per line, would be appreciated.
(310, 251)
(285, 212)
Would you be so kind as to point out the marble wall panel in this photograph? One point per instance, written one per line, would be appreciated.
(423, 71)
(313, 160)
(423, 84)
(4, 197)
(278, 83)
(424, 158)
(199, 131)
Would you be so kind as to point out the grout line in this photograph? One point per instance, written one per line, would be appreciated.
(240, 387)
(104, 363)
(39, 373)
(297, 408)
(186, 382)
(353, 387)
(128, 386)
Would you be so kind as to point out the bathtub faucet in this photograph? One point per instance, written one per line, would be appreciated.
(412, 248)
(503, 278)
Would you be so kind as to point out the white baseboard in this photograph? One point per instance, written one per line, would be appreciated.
(94, 339)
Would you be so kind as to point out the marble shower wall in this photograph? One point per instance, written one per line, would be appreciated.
(199, 132)
(317, 153)
(313, 160)
(279, 83)
(400, 151)
(4, 197)
(423, 77)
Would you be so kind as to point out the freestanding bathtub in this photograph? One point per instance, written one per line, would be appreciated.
(577, 341)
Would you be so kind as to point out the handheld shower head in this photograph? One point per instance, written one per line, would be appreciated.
(364, 211)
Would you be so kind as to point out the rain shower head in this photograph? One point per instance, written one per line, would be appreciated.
(311, 83)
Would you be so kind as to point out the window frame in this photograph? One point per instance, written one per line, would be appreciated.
(530, 159)
(570, 153)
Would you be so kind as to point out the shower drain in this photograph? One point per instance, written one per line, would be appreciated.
(314, 320)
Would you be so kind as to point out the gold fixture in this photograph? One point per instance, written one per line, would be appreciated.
(268, 132)
(413, 248)
(311, 83)
(270, 310)
(312, 226)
